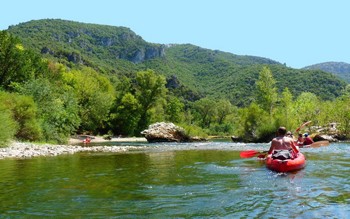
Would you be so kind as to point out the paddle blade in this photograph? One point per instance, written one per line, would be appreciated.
(318, 144)
(248, 153)
(303, 125)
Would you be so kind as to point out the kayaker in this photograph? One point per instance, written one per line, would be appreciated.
(307, 139)
(282, 142)
(300, 141)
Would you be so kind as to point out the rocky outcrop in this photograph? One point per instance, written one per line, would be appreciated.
(322, 137)
(147, 53)
(167, 132)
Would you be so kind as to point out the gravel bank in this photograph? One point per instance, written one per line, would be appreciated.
(28, 150)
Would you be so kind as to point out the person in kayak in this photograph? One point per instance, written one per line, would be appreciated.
(300, 141)
(307, 139)
(282, 142)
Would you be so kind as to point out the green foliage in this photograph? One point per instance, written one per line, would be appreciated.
(94, 93)
(340, 69)
(127, 115)
(201, 72)
(149, 90)
(174, 110)
(58, 109)
(224, 109)
(193, 130)
(285, 113)
(221, 129)
(17, 65)
(23, 112)
(205, 111)
(266, 95)
(307, 106)
(340, 113)
(8, 126)
(255, 123)
(108, 89)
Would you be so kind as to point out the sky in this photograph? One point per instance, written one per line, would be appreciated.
(297, 33)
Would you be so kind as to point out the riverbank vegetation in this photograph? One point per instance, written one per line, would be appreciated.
(48, 100)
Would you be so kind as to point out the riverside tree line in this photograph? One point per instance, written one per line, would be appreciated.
(43, 100)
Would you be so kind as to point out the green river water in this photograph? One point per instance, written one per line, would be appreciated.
(196, 180)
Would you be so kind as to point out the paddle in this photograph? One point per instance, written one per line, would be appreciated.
(252, 153)
(317, 144)
(302, 126)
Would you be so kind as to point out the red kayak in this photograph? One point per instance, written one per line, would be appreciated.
(287, 165)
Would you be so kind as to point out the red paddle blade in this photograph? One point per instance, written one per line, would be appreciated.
(248, 153)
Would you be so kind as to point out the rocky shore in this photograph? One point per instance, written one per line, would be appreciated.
(28, 150)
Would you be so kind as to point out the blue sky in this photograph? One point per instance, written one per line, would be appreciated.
(295, 32)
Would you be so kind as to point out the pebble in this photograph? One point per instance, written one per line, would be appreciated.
(28, 150)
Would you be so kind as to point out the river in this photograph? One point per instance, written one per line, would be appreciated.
(194, 180)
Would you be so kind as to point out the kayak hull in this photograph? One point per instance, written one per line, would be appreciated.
(286, 165)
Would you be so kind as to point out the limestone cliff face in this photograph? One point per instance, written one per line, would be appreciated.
(147, 53)
(75, 40)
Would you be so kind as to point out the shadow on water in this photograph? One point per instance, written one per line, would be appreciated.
(196, 180)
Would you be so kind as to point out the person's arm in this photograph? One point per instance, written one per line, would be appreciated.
(271, 147)
(311, 140)
(295, 149)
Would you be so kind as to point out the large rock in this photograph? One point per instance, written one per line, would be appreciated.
(167, 132)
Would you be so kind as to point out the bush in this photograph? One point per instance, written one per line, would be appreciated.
(23, 112)
(7, 127)
(192, 130)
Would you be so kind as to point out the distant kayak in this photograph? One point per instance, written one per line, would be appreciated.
(287, 165)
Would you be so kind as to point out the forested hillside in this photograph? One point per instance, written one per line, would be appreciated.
(341, 69)
(118, 50)
(59, 78)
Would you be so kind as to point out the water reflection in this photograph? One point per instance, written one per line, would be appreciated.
(176, 180)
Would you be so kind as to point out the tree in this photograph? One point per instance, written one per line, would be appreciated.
(285, 114)
(18, 65)
(127, 116)
(224, 108)
(57, 109)
(95, 95)
(255, 123)
(206, 111)
(150, 89)
(267, 91)
(174, 109)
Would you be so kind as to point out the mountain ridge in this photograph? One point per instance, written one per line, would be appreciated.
(120, 51)
(341, 69)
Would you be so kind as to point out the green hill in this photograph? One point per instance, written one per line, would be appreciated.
(340, 69)
(202, 72)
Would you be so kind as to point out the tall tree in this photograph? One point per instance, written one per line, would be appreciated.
(266, 90)
(150, 89)
(174, 109)
(285, 115)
